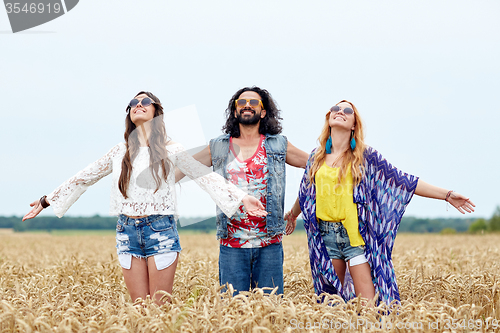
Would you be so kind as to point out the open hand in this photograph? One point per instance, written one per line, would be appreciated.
(37, 208)
(461, 203)
(253, 206)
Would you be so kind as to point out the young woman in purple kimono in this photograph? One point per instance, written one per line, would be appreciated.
(352, 201)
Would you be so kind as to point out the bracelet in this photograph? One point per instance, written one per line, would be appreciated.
(293, 215)
(43, 202)
(448, 196)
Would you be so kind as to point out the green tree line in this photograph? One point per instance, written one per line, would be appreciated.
(408, 224)
(483, 225)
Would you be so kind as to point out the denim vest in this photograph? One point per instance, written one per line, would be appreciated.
(276, 147)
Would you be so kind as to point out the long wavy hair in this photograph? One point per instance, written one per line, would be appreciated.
(157, 141)
(270, 124)
(355, 157)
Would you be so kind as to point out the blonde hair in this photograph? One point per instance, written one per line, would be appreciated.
(354, 156)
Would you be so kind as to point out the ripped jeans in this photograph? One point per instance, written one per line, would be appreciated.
(153, 235)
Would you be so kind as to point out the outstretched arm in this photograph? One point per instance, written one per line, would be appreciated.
(204, 157)
(68, 192)
(225, 194)
(296, 157)
(457, 200)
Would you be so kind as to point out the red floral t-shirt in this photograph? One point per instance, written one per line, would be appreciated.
(251, 175)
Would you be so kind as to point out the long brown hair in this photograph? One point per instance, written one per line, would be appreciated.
(157, 140)
(355, 157)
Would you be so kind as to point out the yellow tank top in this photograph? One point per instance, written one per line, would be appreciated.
(335, 204)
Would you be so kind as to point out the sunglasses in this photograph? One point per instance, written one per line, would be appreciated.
(253, 102)
(144, 102)
(336, 108)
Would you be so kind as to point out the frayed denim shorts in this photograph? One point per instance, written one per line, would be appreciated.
(337, 241)
(154, 235)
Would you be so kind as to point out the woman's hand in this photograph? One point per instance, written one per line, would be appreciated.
(37, 208)
(291, 218)
(253, 206)
(461, 203)
(291, 222)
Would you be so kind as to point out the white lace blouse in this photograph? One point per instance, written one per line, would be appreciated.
(142, 199)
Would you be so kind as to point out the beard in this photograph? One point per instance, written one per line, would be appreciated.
(248, 120)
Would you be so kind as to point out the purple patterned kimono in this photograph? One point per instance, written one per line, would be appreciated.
(381, 198)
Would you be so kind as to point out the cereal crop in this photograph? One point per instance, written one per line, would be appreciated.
(73, 283)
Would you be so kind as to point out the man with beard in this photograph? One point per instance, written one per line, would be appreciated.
(252, 154)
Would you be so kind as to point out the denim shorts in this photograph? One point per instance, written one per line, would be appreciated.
(147, 236)
(337, 241)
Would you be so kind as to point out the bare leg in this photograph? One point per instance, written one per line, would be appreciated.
(161, 279)
(362, 278)
(136, 279)
(339, 266)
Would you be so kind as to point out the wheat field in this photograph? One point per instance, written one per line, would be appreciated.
(73, 283)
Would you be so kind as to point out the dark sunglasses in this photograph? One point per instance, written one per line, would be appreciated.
(336, 108)
(253, 102)
(144, 102)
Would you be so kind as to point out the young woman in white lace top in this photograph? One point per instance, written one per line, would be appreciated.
(143, 196)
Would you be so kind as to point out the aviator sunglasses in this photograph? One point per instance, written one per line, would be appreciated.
(336, 108)
(144, 102)
(253, 102)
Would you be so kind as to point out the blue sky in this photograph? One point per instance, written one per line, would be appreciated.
(425, 77)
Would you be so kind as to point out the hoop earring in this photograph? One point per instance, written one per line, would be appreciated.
(353, 141)
(328, 146)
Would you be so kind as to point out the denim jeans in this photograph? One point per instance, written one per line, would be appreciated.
(252, 268)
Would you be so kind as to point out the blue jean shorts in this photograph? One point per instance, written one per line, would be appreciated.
(147, 236)
(337, 241)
